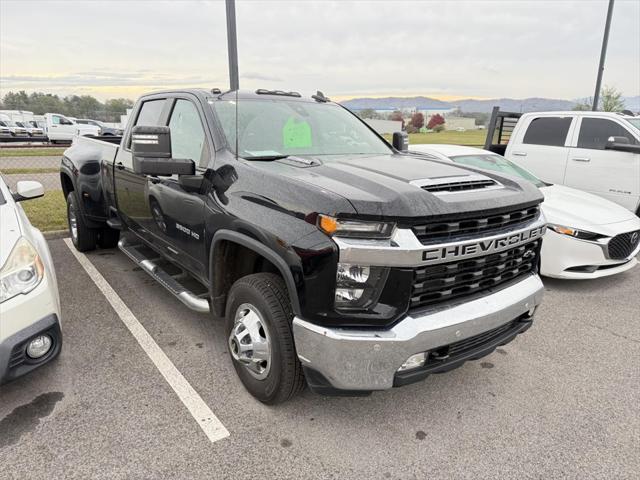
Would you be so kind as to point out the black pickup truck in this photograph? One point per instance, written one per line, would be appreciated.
(334, 257)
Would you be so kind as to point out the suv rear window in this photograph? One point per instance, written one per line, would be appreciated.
(594, 133)
(550, 131)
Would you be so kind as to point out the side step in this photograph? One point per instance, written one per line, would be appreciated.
(198, 303)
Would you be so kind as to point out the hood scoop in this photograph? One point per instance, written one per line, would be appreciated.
(456, 184)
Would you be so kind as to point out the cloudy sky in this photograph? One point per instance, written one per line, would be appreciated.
(445, 49)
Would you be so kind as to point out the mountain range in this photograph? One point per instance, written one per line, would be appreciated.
(470, 105)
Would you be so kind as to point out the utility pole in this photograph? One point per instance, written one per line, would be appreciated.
(603, 54)
(232, 45)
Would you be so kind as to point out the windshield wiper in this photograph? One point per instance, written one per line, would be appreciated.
(266, 158)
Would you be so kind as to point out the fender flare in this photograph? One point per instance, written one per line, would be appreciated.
(264, 251)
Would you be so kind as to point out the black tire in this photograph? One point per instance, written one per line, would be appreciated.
(108, 237)
(267, 293)
(85, 238)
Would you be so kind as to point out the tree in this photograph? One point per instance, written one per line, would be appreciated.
(417, 120)
(116, 107)
(397, 117)
(438, 128)
(368, 113)
(434, 121)
(611, 100)
(16, 101)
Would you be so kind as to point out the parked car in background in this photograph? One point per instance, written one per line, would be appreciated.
(598, 152)
(5, 131)
(105, 129)
(63, 129)
(14, 129)
(30, 334)
(32, 130)
(588, 236)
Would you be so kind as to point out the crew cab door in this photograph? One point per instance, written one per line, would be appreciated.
(540, 145)
(177, 202)
(612, 174)
(130, 187)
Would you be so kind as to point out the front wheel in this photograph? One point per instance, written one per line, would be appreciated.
(258, 328)
(83, 237)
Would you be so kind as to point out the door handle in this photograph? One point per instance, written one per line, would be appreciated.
(520, 154)
(581, 159)
(120, 166)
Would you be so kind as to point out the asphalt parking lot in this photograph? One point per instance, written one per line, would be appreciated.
(561, 401)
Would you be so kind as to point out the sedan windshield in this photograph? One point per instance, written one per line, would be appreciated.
(278, 128)
(498, 163)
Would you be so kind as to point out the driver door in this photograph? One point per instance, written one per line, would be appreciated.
(612, 174)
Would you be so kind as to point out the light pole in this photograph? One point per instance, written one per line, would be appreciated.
(603, 54)
(232, 45)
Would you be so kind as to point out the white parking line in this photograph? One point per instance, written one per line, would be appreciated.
(212, 427)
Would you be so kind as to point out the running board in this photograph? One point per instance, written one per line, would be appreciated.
(195, 302)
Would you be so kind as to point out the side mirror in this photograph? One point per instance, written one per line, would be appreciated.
(28, 189)
(151, 149)
(401, 141)
(621, 144)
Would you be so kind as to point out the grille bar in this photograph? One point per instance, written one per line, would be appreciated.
(445, 230)
(440, 283)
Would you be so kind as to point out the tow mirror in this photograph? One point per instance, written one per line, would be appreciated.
(151, 149)
(621, 144)
(401, 141)
(28, 189)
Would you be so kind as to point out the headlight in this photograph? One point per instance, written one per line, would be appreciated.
(573, 232)
(358, 287)
(22, 272)
(354, 228)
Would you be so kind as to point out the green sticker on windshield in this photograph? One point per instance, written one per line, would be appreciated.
(296, 134)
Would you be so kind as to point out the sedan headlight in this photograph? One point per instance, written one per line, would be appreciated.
(354, 228)
(358, 287)
(574, 232)
(22, 272)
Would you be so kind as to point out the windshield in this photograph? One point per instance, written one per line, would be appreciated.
(497, 163)
(272, 128)
(635, 122)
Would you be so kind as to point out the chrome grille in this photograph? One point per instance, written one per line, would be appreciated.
(623, 245)
(445, 230)
(435, 284)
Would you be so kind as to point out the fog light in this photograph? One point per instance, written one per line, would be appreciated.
(347, 295)
(39, 346)
(414, 361)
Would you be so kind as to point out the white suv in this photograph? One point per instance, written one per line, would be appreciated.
(30, 334)
(598, 152)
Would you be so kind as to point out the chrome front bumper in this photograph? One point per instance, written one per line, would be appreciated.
(369, 359)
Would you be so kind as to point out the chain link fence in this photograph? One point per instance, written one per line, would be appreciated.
(40, 163)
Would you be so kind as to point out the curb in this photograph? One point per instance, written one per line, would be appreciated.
(53, 234)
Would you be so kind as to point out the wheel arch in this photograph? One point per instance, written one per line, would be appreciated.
(223, 240)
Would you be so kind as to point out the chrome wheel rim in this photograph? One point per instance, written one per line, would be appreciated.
(249, 341)
(73, 223)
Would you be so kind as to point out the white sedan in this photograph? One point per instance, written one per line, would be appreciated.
(588, 236)
(30, 334)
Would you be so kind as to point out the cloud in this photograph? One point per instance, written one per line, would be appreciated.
(483, 49)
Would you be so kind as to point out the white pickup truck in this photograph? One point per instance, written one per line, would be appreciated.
(62, 129)
(598, 152)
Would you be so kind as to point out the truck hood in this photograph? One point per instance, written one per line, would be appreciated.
(573, 208)
(389, 185)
